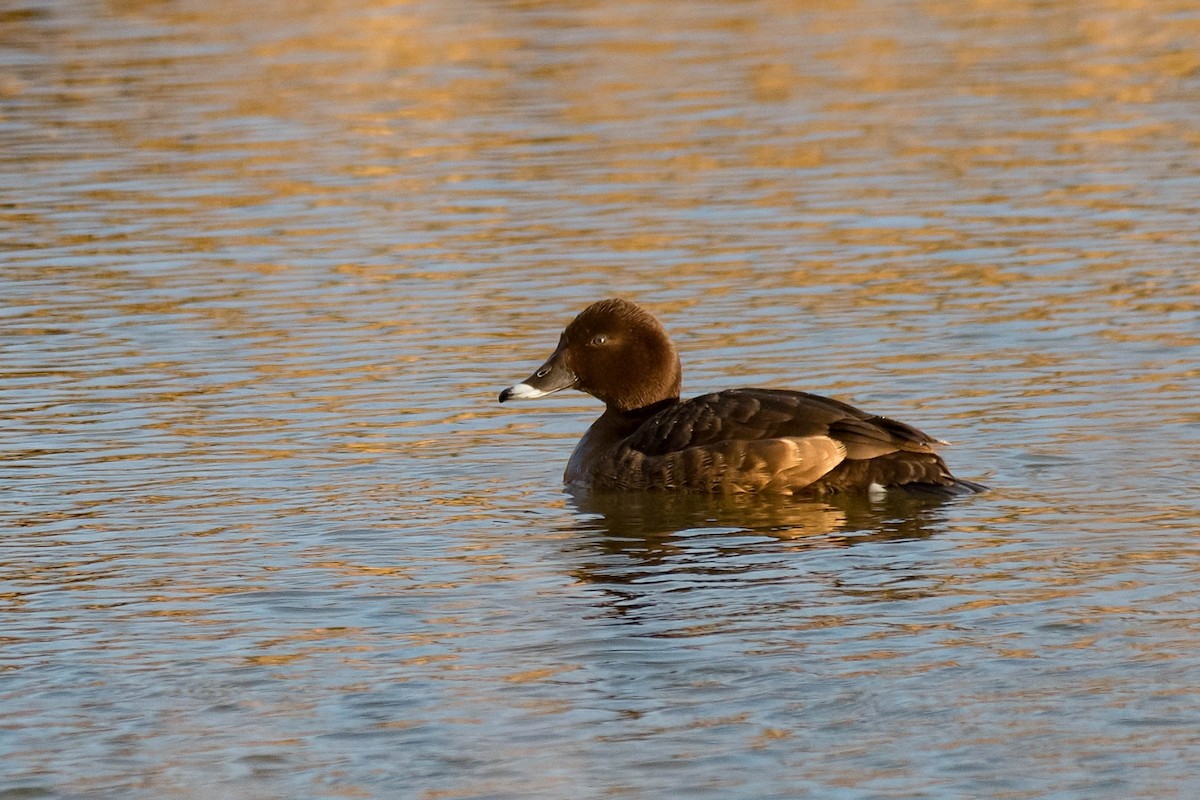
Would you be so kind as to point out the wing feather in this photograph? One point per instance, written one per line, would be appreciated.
(750, 440)
(750, 414)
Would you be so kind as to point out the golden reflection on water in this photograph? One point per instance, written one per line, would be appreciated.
(268, 263)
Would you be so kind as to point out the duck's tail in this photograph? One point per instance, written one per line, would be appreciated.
(946, 488)
(968, 487)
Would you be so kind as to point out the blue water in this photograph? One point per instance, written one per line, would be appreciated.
(265, 532)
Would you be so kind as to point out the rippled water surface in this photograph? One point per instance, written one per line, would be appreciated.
(265, 532)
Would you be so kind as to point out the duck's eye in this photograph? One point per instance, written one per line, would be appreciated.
(598, 340)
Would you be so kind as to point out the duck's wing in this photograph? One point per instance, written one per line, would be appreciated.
(755, 440)
(754, 414)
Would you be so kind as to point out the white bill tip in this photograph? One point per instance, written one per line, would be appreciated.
(523, 391)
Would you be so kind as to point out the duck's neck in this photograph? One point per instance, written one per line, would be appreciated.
(633, 418)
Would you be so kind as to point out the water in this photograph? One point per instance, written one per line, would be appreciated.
(266, 532)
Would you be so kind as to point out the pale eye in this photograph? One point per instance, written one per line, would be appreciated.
(599, 340)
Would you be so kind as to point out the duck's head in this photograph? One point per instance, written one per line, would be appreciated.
(616, 351)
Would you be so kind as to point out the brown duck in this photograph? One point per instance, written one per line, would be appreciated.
(738, 440)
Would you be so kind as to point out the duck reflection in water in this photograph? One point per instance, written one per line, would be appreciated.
(634, 535)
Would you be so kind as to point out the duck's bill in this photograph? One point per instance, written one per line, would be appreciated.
(551, 377)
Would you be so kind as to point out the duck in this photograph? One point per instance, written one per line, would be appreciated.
(736, 441)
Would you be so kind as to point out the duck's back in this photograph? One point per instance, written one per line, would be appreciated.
(767, 440)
